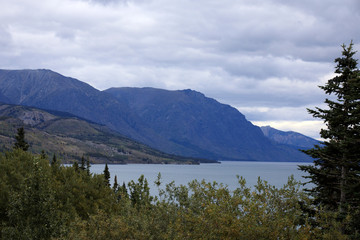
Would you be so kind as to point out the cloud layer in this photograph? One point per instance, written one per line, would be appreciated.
(264, 57)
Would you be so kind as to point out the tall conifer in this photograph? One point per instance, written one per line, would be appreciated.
(336, 170)
(88, 165)
(115, 186)
(107, 175)
(82, 166)
(20, 142)
(54, 160)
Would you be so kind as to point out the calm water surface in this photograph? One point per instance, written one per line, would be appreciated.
(276, 173)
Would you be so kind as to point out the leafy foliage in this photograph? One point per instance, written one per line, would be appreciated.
(39, 200)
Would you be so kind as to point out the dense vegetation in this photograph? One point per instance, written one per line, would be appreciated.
(40, 199)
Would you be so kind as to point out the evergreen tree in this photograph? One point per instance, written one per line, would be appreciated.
(43, 155)
(54, 160)
(115, 186)
(107, 175)
(55, 165)
(82, 166)
(88, 166)
(20, 140)
(139, 192)
(76, 166)
(122, 192)
(336, 170)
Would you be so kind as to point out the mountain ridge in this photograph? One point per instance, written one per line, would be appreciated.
(189, 117)
(183, 122)
(51, 91)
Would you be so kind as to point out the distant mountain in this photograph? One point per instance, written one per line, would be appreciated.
(177, 122)
(290, 138)
(49, 90)
(202, 125)
(70, 138)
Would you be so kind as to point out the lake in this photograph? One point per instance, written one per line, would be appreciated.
(276, 173)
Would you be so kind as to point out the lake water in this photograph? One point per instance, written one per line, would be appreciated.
(276, 173)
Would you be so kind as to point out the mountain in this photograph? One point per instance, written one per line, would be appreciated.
(177, 122)
(202, 125)
(3, 98)
(70, 137)
(289, 138)
(49, 90)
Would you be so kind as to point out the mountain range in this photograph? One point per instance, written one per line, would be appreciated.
(183, 122)
(289, 138)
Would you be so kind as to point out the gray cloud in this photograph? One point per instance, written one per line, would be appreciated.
(250, 54)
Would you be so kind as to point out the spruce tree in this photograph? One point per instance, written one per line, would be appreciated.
(336, 169)
(123, 190)
(115, 186)
(54, 160)
(82, 166)
(88, 166)
(107, 175)
(20, 142)
(55, 165)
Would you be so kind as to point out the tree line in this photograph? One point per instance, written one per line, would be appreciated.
(39, 200)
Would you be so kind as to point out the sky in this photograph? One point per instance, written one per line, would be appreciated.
(265, 58)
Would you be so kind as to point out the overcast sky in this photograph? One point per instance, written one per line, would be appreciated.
(266, 58)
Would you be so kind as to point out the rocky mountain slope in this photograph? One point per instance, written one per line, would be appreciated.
(70, 138)
(203, 125)
(49, 90)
